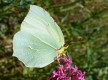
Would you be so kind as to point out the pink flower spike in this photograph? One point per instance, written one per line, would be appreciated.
(66, 71)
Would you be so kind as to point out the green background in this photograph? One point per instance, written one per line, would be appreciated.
(84, 24)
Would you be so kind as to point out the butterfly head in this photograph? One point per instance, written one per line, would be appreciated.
(61, 51)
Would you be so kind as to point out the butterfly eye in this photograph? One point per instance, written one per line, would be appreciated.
(65, 45)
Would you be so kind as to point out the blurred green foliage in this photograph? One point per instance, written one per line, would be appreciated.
(85, 27)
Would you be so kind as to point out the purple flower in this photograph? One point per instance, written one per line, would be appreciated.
(67, 72)
(65, 60)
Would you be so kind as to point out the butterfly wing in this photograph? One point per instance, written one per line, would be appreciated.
(38, 17)
(32, 51)
(39, 38)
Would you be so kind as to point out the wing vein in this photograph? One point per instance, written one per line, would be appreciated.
(44, 42)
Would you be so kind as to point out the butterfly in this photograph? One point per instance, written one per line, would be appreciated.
(40, 40)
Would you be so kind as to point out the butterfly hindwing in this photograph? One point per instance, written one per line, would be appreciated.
(32, 51)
